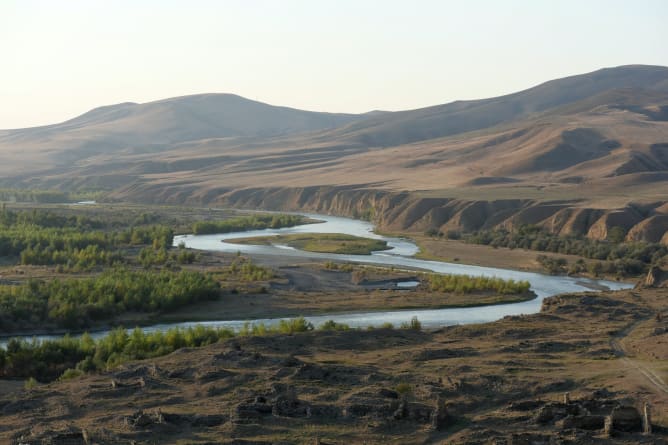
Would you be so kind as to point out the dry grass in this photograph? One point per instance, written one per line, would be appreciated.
(477, 369)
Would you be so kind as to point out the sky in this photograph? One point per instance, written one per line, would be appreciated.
(59, 59)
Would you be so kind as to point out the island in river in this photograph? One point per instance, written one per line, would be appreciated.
(337, 243)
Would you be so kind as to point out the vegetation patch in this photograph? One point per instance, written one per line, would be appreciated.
(69, 357)
(621, 258)
(75, 243)
(75, 303)
(253, 222)
(48, 360)
(47, 196)
(465, 284)
(320, 242)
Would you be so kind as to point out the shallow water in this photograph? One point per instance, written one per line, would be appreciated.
(407, 284)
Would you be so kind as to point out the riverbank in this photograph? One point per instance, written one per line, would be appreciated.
(309, 288)
(441, 249)
(243, 281)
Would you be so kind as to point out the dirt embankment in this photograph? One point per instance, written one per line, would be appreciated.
(410, 212)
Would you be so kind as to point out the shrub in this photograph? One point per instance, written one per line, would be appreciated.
(71, 373)
(414, 324)
(403, 389)
(331, 325)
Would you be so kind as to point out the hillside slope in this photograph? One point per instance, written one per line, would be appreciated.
(155, 126)
(594, 141)
(463, 116)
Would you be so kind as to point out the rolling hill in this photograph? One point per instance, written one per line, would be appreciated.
(593, 141)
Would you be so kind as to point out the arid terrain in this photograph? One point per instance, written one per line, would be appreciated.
(524, 158)
(567, 177)
(552, 377)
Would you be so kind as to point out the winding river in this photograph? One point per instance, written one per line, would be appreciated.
(399, 256)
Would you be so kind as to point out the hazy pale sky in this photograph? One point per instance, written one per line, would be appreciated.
(62, 58)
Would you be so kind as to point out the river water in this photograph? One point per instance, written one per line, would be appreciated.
(399, 256)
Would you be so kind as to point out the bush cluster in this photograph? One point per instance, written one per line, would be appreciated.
(46, 238)
(244, 223)
(68, 356)
(626, 258)
(466, 284)
(74, 303)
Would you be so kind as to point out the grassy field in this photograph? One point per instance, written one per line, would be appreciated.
(320, 242)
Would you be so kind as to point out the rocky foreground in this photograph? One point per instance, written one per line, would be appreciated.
(584, 370)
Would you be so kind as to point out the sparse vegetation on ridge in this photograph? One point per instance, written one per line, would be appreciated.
(69, 357)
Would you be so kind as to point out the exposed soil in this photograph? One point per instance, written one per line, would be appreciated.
(309, 288)
(502, 382)
(481, 255)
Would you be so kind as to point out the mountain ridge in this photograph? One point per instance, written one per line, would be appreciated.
(606, 129)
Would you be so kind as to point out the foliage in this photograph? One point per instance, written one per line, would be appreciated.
(149, 256)
(343, 267)
(404, 388)
(320, 242)
(244, 223)
(466, 284)
(40, 196)
(47, 238)
(331, 325)
(554, 266)
(367, 214)
(69, 357)
(414, 324)
(46, 196)
(291, 326)
(627, 258)
(244, 269)
(75, 303)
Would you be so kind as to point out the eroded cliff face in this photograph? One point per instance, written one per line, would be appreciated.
(410, 212)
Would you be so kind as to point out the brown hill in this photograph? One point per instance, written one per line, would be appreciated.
(129, 128)
(463, 116)
(594, 141)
